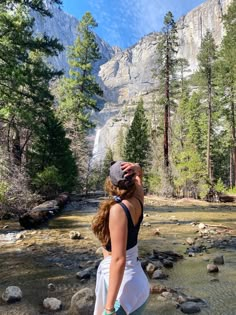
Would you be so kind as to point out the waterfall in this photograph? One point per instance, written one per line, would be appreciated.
(95, 155)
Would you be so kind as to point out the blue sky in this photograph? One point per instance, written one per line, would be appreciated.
(123, 22)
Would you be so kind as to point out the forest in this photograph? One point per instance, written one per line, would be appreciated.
(186, 144)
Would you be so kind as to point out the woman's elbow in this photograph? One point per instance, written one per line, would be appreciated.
(119, 261)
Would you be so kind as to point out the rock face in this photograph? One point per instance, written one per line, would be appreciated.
(129, 73)
(63, 26)
(193, 26)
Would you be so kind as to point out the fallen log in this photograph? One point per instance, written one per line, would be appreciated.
(43, 212)
(227, 198)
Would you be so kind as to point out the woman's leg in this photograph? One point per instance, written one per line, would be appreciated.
(140, 310)
(121, 311)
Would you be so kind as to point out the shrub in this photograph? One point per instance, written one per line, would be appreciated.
(48, 182)
(219, 187)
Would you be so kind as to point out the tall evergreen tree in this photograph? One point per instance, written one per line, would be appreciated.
(137, 145)
(166, 68)
(207, 58)
(77, 92)
(50, 159)
(226, 75)
(24, 77)
(189, 124)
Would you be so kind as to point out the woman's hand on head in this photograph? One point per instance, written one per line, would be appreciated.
(132, 168)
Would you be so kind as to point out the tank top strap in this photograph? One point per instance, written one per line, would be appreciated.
(128, 215)
(141, 204)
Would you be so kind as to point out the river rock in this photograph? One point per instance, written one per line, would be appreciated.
(82, 302)
(85, 274)
(212, 268)
(190, 308)
(75, 235)
(52, 304)
(167, 295)
(157, 289)
(219, 260)
(99, 251)
(147, 224)
(167, 263)
(201, 226)
(190, 241)
(12, 294)
(51, 287)
(159, 274)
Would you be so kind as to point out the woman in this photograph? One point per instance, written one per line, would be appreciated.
(122, 286)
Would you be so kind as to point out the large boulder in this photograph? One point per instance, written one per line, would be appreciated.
(82, 302)
(12, 294)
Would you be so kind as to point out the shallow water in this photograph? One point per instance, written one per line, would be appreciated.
(190, 276)
(48, 255)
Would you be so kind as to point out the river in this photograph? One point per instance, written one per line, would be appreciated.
(34, 258)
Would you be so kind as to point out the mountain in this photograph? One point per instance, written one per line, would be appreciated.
(128, 74)
(63, 26)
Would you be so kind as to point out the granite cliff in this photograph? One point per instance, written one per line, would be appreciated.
(129, 73)
(63, 26)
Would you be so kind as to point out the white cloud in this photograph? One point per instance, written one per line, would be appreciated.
(124, 22)
(145, 15)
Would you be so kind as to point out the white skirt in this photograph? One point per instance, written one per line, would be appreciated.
(134, 289)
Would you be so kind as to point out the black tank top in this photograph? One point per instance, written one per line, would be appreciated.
(133, 230)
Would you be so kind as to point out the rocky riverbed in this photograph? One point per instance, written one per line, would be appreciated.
(60, 259)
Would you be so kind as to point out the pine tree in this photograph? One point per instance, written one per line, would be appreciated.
(226, 82)
(77, 92)
(207, 58)
(189, 123)
(166, 64)
(137, 145)
(24, 77)
(50, 160)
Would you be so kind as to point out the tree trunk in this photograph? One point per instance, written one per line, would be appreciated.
(234, 143)
(230, 169)
(209, 166)
(166, 115)
(16, 147)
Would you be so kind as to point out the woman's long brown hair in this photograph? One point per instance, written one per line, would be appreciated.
(100, 223)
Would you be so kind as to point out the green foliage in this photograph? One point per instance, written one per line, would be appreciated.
(76, 93)
(207, 55)
(231, 191)
(50, 155)
(48, 182)
(24, 76)
(219, 186)
(190, 171)
(3, 191)
(106, 164)
(118, 153)
(166, 57)
(203, 189)
(137, 145)
(36, 5)
(153, 183)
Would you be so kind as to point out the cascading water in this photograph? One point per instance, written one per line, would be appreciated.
(96, 154)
